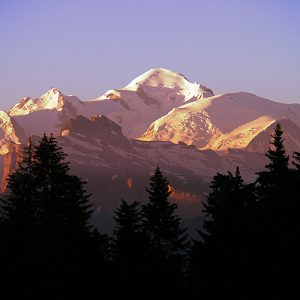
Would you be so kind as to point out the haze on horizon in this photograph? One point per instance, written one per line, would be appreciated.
(87, 47)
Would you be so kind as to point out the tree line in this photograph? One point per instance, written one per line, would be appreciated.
(248, 246)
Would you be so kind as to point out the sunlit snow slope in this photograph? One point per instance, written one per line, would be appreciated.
(220, 122)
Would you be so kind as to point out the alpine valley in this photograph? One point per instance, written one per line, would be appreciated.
(160, 118)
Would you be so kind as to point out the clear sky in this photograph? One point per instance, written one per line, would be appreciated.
(85, 47)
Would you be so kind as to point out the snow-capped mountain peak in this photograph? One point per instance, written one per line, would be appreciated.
(157, 77)
(164, 78)
(147, 98)
(53, 99)
(47, 113)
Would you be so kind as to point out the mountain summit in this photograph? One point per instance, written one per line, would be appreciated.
(163, 78)
(47, 113)
(53, 99)
(147, 98)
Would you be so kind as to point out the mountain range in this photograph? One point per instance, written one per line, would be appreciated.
(160, 118)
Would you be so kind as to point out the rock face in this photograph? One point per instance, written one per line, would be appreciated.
(96, 126)
(10, 132)
(11, 136)
(8, 162)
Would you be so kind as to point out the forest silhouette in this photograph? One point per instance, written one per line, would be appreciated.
(248, 247)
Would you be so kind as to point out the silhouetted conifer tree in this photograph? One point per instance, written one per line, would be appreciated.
(273, 186)
(127, 232)
(160, 220)
(130, 251)
(20, 207)
(219, 258)
(47, 214)
(167, 239)
(251, 236)
(19, 224)
(272, 182)
(275, 193)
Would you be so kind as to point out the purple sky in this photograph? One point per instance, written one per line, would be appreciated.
(85, 47)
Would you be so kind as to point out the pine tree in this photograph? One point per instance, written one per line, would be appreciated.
(274, 189)
(228, 204)
(273, 184)
(276, 153)
(272, 181)
(65, 212)
(63, 197)
(167, 239)
(20, 206)
(56, 206)
(160, 220)
(19, 222)
(127, 232)
(64, 209)
(219, 258)
(130, 251)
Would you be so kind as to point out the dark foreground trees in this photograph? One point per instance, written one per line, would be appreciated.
(218, 260)
(52, 251)
(250, 244)
(130, 251)
(149, 244)
(48, 242)
(248, 247)
(168, 241)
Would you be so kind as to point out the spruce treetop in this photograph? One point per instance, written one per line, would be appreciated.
(276, 152)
